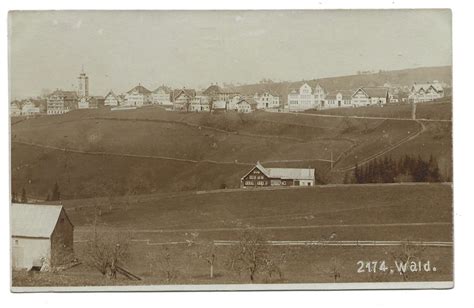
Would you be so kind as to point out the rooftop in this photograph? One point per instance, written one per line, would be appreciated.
(32, 220)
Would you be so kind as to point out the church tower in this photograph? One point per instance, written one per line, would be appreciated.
(83, 84)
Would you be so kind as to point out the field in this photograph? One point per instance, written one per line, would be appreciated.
(162, 179)
(356, 212)
(431, 110)
(150, 150)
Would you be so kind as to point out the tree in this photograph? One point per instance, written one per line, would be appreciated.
(251, 256)
(203, 250)
(106, 251)
(23, 199)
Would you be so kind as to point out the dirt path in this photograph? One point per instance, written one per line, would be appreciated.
(364, 117)
(385, 150)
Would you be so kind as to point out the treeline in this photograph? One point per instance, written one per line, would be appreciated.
(405, 169)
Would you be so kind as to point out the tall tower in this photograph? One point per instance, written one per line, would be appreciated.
(83, 84)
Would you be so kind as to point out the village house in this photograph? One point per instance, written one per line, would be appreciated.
(260, 176)
(200, 103)
(15, 109)
(319, 95)
(219, 98)
(301, 100)
(41, 236)
(247, 105)
(138, 96)
(162, 96)
(426, 92)
(370, 96)
(29, 108)
(60, 102)
(267, 100)
(113, 100)
(234, 99)
(337, 99)
(182, 99)
(90, 102)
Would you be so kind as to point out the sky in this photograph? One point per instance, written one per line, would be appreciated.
(192, 49)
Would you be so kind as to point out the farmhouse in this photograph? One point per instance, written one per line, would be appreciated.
(370, 96)
(111, 99)
(426, 92)
(337, 99)
(259, 176)
(267, 100)
(182, 99)
(41, 235)
(162, 96)
(138, 96)
(60, 102)
(15, 109)
(246, 105)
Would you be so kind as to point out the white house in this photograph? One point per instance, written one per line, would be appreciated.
(41, 236)
(337, 99)
(138, 96)
(319, 95)
(267, 100)
(426, 92)
(162, 96)
(199, 103)
(15, 110)
(370, 96)
(111, 99)
(232, 104)
(60, 102)
(182, 99)
(301, 100)
(246, 105)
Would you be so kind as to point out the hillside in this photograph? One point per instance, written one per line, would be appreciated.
(404, 77)
(98, 152)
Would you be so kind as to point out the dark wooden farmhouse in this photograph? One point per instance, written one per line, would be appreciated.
(260, 176)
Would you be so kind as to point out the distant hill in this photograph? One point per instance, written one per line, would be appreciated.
(404, 77)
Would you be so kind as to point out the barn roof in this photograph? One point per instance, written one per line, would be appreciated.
(291, 173)
(34, 220)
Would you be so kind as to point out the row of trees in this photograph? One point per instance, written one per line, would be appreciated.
(108, 252)
(55, 195)
(387, 170)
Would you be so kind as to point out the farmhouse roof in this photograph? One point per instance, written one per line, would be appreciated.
(375, 91)
(65, 94)
(425, 86)
(346, 94)
(164, 88)
(189, 92)
(140, 89)
(213, 89)
(32, 220)
(249, 101)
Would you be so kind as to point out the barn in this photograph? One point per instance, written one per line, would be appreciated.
(41, 236)
(260, 176)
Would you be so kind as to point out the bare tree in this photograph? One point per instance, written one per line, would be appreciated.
(252, 257)
(106, 251)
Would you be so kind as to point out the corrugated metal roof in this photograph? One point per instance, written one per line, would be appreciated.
(287, 173)
(34, 220)
(291, 173)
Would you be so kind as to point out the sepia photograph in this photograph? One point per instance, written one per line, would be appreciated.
(186, 150)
